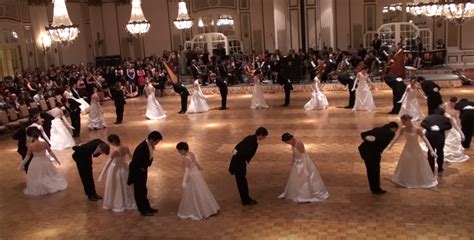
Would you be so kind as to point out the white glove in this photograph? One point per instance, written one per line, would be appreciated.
(433, 154)
(370, 138)
(435, 90)
(234, 152)
(434, 128)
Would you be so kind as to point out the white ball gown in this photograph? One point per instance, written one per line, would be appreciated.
(258, 100)
(453, 149)
(43, 177)
(198, 102)
(410, 105)
(413, 169)
(304, 184)
(61, 138)
(118, 195)
(364, 101)
(154, 111)
(197, 201)
(318, 101)
(96, 115)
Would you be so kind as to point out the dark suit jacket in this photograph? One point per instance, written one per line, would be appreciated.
(246, 149)
(195, 71)
(222, 85)
(462, 104)
(86, 150)
(383, 137)
(47, 122)
(180, 89)
(434, 119)
(118, 97)
(429, 86)
(140, 162)
(20, 136)
(285, 82)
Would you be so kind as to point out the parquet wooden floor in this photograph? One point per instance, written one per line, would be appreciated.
(331, 138)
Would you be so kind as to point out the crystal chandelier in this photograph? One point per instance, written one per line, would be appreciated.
(224, 20)
(456, 10)
(62, 29)
(137, 25)
(183, 21)
(396, 7)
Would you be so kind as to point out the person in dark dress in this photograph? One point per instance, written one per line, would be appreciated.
(242, 155)
(398, 89)
(119, 101)
(138, 172)
(466, 109)
(435, 125)
(374, 143)
(184, 93)
(431, 90)
(287, 86)
(83, 157)
(222, 85)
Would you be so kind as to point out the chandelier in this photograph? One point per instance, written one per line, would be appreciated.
(183, 21)
(62, 29)
(456, 10)
(396, 7)
(137, 25)
(225, 20)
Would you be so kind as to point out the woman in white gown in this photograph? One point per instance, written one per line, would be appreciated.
(118, 195)
(304, 184)
(198, 102)
(318, 101)
(364, 101)
(453, 149)
(197, 201)
(61, 138)
(96, 115)
(413, 169)
(42, 177)
(409, 102)
(154, 111)
(258, 100)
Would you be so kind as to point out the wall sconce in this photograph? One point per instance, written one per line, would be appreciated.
(45, 43)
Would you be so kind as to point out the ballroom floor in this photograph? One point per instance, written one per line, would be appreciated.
(331, 138)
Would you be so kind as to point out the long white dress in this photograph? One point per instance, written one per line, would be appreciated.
(318, 101)
(118, 195)
(61, 138)
(198, 102)
(258, 100)
(413, 169)
(96, 116)
(304, 184)
(453, 149)
(154, 111)
(410, 105)
(197, 201)
(364, 101)
(43, 177)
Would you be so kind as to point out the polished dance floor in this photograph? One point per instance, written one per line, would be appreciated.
(331, 138)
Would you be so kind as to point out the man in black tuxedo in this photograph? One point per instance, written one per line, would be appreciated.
(74, 109)
(47, 119)
(222, 85)
(431, 90)
(466, 109)
(398, 89)
(375, 142)
(242, 154)
(83, 157)
(436, 124)
(376, 43)
(287, 86)
(184, 93)
(348, 81)
(119, 101)
(138, 172)
(195, 70)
